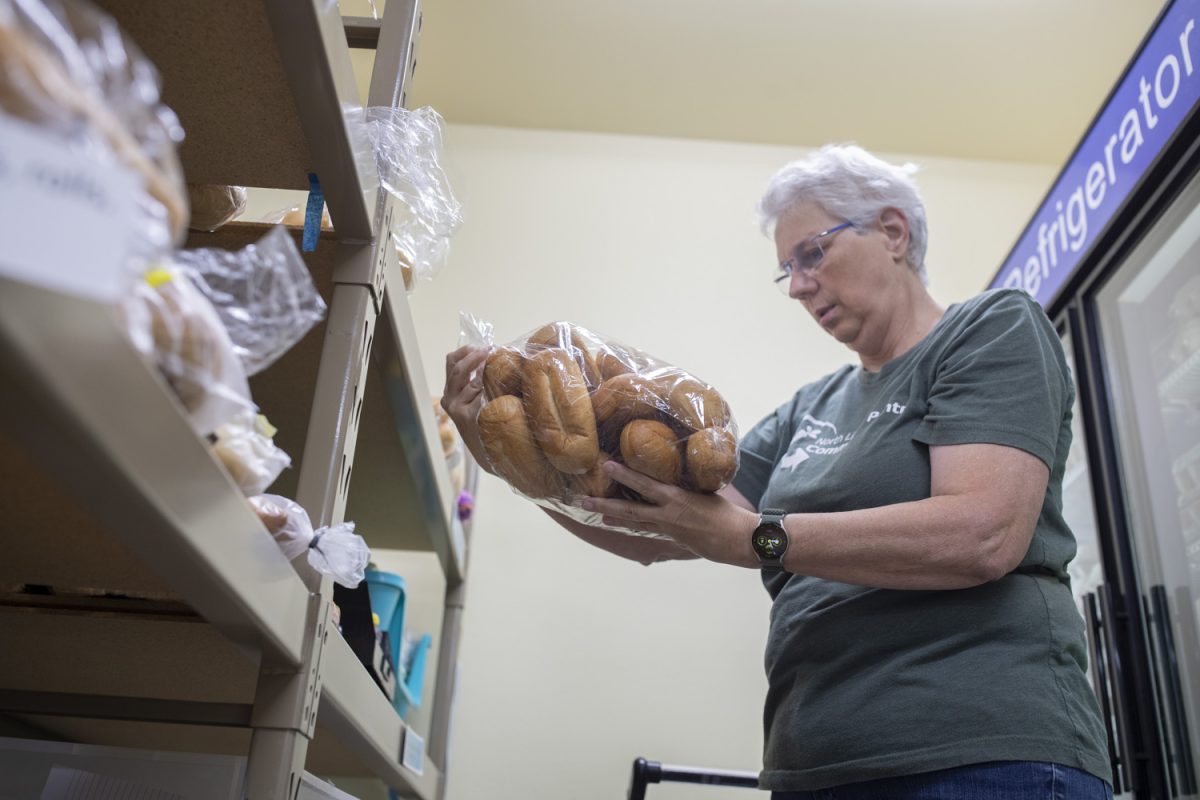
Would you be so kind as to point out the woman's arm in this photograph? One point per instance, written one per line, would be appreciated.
(975, 527)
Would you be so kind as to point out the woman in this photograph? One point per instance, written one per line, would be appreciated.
(905, 513)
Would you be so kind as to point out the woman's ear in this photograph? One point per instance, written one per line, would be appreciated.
(895, 229)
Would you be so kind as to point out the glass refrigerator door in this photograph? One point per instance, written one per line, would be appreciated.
(1150, 323)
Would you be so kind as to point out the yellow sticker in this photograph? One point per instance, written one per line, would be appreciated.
(157, 277)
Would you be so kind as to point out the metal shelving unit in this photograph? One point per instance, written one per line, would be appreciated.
(149, 605)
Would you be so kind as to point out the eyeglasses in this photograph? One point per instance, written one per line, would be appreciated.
(806, 257)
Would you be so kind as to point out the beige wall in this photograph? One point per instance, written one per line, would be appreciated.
(574, 662)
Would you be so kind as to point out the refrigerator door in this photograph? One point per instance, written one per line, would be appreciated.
(1149, 315)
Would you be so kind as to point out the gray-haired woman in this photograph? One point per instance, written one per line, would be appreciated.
(905, 513)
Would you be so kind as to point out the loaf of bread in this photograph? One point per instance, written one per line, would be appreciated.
(513, 452)
(560, 410)
(651, 448)
(563, 401)
(72, 73)
(710, 459)
(502, 373)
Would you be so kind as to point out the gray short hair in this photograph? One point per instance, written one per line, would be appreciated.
(849, 182)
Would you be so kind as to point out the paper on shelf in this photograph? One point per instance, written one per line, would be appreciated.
(66, 222)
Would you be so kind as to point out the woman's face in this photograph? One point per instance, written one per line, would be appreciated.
(858, 283)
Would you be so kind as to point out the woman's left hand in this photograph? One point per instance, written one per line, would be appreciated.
(709, 525)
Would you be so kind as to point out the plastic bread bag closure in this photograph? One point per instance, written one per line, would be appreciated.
(175, 326)
(67, 70)
(263, 294)
(408, 151)
(336, 551)
(561, 401)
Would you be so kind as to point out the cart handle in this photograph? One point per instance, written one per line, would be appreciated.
(647, 772)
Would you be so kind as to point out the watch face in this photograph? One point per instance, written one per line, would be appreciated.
(770, 541)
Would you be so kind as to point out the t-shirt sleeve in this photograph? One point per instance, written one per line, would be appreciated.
(760, 451)
(1002, 380)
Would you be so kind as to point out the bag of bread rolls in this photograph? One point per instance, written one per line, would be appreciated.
(176, 327)
(214, 206)
(336, 551)
(69, 71)
(263, 294)
(561, 400)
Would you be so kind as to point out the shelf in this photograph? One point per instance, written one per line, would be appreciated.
(266, 94)
(400, 496)
(125, 678)
(356, 714)
(136, 504)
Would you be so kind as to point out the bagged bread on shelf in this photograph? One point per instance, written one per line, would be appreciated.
(293, 216)
(176, 327)
(561, 401)
(408, 150)
(67, 70)
(214, 206)
(245, 446)
(263, 294)
(336, 551)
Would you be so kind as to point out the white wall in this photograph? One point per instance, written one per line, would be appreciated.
(573, 662)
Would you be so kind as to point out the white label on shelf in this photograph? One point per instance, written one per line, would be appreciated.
(413, 754)
(65, 222)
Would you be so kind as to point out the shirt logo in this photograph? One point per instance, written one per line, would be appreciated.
(816, 437)
(812, 433)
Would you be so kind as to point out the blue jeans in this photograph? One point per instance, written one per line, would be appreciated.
(997, 780)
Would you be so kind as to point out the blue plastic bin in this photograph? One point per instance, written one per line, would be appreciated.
(387, 592)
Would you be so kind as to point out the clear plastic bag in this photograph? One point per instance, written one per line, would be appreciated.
(263, 294)
(245, 446)
(214, 206)
(175, 326)
(67, 69)
(294, 217)
(561, 401)
(408, 149)
(336, 551)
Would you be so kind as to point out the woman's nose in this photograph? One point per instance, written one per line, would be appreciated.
(801, 284)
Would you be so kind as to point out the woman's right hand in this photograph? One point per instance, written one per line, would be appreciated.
(462, 396)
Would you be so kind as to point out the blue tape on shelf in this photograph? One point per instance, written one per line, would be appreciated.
(312, 214)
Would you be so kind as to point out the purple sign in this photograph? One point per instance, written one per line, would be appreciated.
(1157, 93)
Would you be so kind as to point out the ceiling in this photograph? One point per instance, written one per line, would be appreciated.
(1012, 80)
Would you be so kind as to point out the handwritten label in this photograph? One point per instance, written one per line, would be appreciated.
(413, 755)
(65, 222)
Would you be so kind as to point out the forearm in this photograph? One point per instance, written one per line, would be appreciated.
(943, 542)
(642, 549)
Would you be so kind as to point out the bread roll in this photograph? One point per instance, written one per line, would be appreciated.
(651, 448)
(272, 515)
(502, 373)
(213, 205)
(512, 451)
(625, 397)
(595, 482)
(566, 336)
(560, 412)
(697, 405)
(612, 364)
(710, 459)
(189, 343)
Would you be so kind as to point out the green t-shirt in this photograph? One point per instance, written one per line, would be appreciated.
(868, 683)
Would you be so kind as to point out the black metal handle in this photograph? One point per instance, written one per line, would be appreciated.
(1108, 614)
(1100, 682)
(646, 772)
(1174, 709)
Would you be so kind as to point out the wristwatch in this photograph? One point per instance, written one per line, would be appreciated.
(770, 540)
